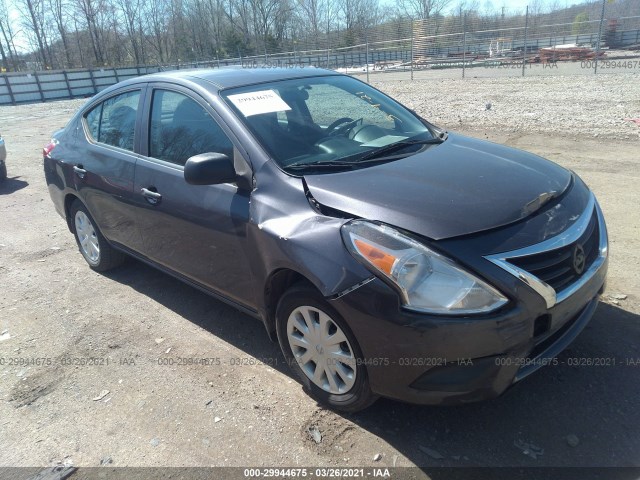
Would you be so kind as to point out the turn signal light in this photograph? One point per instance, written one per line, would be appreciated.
(376, 256)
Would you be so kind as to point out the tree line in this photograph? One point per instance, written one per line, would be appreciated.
(61, 34)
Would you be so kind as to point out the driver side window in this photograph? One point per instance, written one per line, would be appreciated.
(181, 128)
(325, 100)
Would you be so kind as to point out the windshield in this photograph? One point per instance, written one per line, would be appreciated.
(332, 122)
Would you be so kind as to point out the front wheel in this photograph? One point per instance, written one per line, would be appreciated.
(322, 351)
(94, 247)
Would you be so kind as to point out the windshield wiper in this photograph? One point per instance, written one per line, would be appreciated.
(379, 155)
(392, 147)
(319, 164)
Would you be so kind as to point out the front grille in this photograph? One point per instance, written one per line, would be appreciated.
(555, 267)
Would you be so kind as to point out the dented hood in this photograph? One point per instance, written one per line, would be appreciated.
(461, 186)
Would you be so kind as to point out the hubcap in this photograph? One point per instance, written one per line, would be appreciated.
(321, 349)
(87, 237)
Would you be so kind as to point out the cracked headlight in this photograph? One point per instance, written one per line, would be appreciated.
(428, 281)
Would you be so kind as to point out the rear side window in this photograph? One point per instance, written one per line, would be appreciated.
(113, 121)
(181, 128)
(93, 121)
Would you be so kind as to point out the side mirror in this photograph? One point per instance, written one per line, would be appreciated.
(209, 169)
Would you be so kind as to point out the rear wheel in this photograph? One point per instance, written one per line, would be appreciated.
(93, 246)
(322, 351)
(3, 171)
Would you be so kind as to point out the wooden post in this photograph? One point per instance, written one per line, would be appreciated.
(35, 75)
(66, 80)
(93, 81)
(11, 96)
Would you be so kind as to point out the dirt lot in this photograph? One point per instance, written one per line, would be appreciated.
(249, 410)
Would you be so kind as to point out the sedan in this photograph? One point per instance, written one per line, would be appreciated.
(387, 256)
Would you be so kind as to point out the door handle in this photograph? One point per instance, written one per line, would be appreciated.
(152, 197)
(79, 171)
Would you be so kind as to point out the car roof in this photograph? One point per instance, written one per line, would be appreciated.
(228, 77)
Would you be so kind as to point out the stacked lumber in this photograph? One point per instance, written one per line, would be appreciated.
(568, 53)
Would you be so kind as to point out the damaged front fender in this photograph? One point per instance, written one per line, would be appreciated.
(284, 233)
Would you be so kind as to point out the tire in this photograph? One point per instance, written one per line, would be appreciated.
(340, 385)
(3, 171)
(92, 245)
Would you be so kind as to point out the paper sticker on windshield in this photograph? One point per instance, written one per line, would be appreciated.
(255, 103)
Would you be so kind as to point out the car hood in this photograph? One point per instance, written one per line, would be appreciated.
(459, 187)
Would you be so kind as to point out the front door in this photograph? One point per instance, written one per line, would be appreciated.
(198, 231)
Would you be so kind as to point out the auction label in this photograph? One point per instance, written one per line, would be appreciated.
(255, 103)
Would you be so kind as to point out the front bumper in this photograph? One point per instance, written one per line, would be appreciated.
(443, 360)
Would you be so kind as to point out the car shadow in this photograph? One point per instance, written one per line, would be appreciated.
(223, 321)
(10, 185)
(582, 412)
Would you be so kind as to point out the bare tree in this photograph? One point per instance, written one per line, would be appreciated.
(423, 9)
(239, 14)
(89, 11)
(32, 12)
(156, 13)
(131, 11)
(263, 13)
(312, 14)
(8, 35)
(357, 16)
(59, 9)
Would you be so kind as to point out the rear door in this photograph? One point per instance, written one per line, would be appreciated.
(198, 231)
(104, 166)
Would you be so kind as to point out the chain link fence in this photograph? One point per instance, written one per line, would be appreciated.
(596, 39)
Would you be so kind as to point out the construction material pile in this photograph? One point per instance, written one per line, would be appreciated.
(569, 52)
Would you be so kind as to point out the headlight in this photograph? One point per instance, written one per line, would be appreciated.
(428, 281)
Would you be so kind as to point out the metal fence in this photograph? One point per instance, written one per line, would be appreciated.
(43, 86)
(511, 43)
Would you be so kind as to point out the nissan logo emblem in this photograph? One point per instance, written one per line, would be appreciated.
(579, 259)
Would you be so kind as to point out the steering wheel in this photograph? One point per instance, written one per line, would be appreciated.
(333, 128)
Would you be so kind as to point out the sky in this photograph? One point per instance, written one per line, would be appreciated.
(512, 4)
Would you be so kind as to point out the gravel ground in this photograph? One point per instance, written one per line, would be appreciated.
(596, 106)
(136, 411)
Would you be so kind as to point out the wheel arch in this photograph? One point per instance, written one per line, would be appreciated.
(68, 201)
(278, 282)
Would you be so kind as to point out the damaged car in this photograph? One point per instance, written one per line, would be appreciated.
(387, 256)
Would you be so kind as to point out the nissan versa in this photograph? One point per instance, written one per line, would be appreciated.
(387, 256)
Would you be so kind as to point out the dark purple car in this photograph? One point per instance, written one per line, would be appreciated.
(387, 256)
